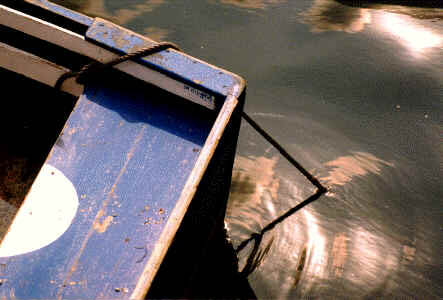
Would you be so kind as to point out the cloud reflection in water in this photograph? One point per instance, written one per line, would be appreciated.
(252, 4)
(312, 251)
(415, 37)
(326, 15)
(330, 15)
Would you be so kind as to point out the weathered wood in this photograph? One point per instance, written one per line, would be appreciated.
(173, 71)
(36, 68)
(131, 156)
(135, 161)
(186, 196)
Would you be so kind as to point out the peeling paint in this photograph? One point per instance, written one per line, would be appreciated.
(103, 226)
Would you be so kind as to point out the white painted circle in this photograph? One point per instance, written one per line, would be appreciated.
(46, 213)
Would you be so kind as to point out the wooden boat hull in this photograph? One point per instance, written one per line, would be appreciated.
(131, 158)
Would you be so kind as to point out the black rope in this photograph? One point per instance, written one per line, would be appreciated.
(95, 67)
(86, 72)
(283, 152)
(252, 262)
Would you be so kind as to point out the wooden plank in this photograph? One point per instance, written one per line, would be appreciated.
(36, 68)
(62, 11)
(135, 160)
(185, 198)
(182, 75)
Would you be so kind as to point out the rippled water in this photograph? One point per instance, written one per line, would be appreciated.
(355, 94)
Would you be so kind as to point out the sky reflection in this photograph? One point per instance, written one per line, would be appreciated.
(414, 37)
(362, 109)
(344, 168)
(119, 15)
(252, 4)
(329, 15)
(315, 249)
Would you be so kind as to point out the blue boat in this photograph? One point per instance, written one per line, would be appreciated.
(114, 168)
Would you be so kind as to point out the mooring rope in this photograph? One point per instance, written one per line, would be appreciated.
(283, 152)
(95, 68)
(252, 261)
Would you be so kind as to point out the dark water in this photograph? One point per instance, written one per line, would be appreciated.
(355, 94)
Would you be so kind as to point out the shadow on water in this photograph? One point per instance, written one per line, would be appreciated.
(376, 233)
(339, 246)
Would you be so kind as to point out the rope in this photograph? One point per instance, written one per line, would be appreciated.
(96, 67)
(285, 153)
(254, 259)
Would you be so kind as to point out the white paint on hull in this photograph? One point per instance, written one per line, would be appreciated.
(46, 213)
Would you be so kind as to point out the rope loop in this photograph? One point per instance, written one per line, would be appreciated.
(88, 71)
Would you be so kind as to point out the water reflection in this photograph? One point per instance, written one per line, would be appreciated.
(255, 188)
(252, 4)
(101, 8)
(415, 37)
(335, 247)
(347, 16)
(156, 33)
(123, 16)
(377, 233)
(326, 15)
(351, 17)
(344, 168)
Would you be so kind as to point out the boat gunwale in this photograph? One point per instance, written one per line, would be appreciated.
(224, 116)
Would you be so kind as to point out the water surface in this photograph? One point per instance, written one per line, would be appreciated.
(355, 94)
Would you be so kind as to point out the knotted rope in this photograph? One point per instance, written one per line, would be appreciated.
(96, 67)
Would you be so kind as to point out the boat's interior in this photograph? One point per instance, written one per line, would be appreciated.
(131, 156)
(31, 118)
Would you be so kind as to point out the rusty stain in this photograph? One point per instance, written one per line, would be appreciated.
(101, 227)
(72, 131)
(161, 211)
(121, 41)
(105, 203)
(127, 240)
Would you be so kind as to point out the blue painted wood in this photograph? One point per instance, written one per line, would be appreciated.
(128, 151)
(217, 82)
(62, 11)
